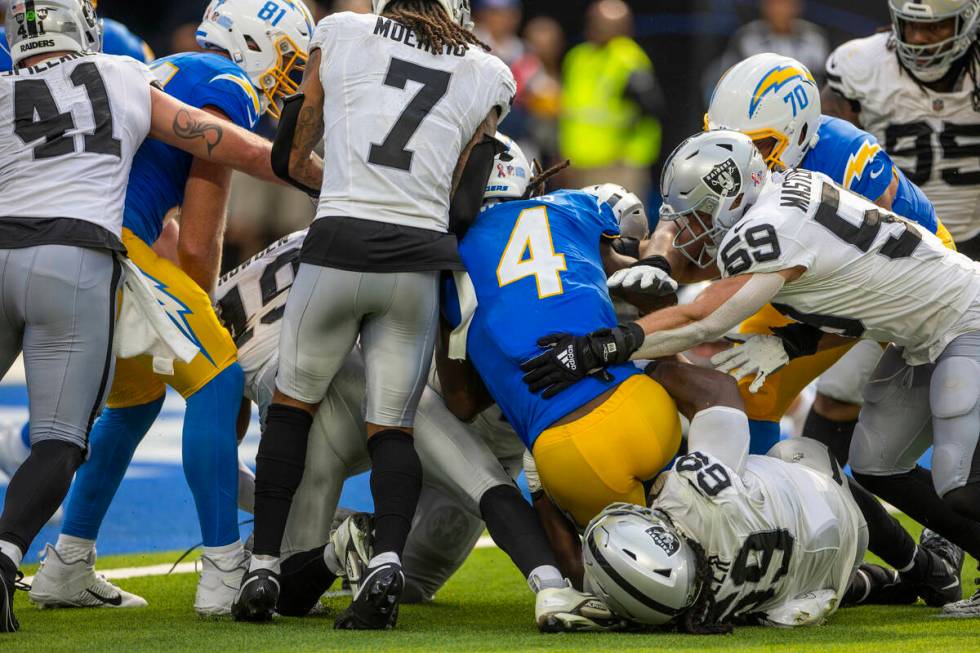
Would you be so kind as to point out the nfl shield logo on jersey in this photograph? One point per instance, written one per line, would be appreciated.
(724, 178)
(664, 539)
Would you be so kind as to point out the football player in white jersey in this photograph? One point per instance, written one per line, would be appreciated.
(406, 103)
(916, 89)
(843, 268)
(731, 538)
(468, 471)
(71, 121)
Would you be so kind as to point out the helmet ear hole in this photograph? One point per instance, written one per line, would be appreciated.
(804, 132)
(252, 45)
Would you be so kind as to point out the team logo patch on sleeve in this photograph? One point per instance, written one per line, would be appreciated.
(664, 539)
(724, 178)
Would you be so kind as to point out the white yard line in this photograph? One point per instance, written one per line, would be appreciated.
(191, 567)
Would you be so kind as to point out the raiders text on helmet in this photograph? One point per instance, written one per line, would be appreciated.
(38, 26)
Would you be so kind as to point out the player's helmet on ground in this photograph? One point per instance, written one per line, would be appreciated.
(708, 183)
(773, 100)
(511, 174)
(268, 39)
(639, 565)
(458, 10)
(51, 26)
(929, 62)
(626, 206)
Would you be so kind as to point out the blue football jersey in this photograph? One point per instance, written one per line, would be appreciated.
(853, 158)
(160, 172)
(116, 39)
(537, 270)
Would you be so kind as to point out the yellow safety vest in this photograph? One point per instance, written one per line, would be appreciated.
(599, 126)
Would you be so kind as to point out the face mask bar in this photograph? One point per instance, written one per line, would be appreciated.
(284, 79)
(932, 57)
(703, 244)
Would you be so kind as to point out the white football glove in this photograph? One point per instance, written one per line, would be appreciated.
(644, 279)
(531, 473)
(758, 355)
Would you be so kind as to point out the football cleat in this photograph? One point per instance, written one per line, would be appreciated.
(61, 584)
(219, 584)
(257, 597)
(942, 583)
(566, 610)
(966, 608)
(375, 604)
(8, 581)
(353, 546)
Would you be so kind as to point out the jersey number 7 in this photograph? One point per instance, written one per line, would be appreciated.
(530, 252)
(435, 83)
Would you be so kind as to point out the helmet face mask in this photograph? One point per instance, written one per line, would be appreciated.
(769, 96)
(269, 40)
(708, 184)
(929, 62)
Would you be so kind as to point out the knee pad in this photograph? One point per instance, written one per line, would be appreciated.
(955, 388)
(809, 453)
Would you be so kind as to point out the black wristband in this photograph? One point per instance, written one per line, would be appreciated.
(627, 246)
(799, 339)
(633, 338)
(655, 261)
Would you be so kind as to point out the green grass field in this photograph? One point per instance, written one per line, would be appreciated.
(485, 607)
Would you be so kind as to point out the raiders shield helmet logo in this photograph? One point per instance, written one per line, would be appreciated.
(724, 178)
(664, 539)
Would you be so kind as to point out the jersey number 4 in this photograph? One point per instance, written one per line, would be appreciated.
(530, 252)
(392, 153)
(36, 115)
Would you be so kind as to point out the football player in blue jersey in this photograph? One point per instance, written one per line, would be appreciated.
(252, 51)
(536, 266)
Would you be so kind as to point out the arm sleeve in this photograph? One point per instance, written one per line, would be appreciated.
(750, 298)
(722, 433)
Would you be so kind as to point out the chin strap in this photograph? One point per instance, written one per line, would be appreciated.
(283, 145)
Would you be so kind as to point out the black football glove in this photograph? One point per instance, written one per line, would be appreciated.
(568, 359)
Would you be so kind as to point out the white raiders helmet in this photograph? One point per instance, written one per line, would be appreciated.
(769, 96)
(930, 62)
(458, 10)
(269, 40)
(39, 26)
(639, 565)
(709, 182)
(511, 174)
(626, 206)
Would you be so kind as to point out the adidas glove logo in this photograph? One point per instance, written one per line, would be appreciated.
(567, 358)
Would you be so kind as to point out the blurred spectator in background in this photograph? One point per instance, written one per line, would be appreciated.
(779, 30)
(611, 104)
(538, 75)
(497, 24)
(357, 6)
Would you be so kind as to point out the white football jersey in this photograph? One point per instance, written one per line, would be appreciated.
(69, 129)
(251, 300)
(934, 137)
(775, 533)
(396, 119)
(869, 273)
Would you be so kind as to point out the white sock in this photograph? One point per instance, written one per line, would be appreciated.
(246, 488)
(383, 559)
(911, 563)
(332, 560)
(265, 562)
(72, 548)
(545, 577)
(12, 551)
(230, 552)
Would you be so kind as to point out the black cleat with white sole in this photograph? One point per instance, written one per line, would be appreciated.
(257, 597)
(375, 606)
(942, 583)
(8, 583)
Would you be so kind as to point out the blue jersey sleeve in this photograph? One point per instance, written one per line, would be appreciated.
(869, 169)
(6, 63)
(209, 80)
(588, 208)
(234, 95)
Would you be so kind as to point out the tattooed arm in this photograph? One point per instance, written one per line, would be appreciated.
(208, 137)
(305, 166)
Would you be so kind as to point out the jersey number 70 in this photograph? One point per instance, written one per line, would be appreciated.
(530, 252)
